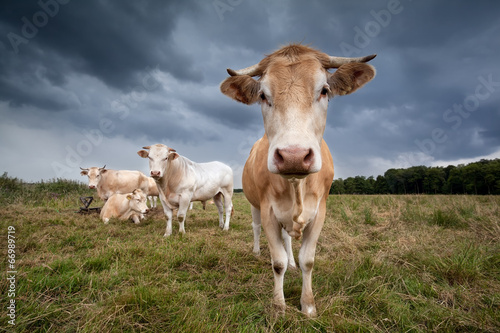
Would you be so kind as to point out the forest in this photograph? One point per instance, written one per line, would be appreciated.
(482, 177)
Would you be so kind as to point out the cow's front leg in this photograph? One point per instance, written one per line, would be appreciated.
(168, 213)
(184, 202)
(136, 219)
(306, 261)
(279, 260)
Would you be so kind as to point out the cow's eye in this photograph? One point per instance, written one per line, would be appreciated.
(324, 91)
(262, 96)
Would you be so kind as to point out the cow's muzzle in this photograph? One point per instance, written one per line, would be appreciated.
(155, 174)
(294, 161)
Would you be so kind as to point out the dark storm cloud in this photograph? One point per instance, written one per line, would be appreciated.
(98, 38)
(436, 94)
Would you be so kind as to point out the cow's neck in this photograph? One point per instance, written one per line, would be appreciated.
(100, 184)
(297, 187)
(174, 173)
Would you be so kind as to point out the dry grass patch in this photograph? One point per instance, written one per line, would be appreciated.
(383, 263)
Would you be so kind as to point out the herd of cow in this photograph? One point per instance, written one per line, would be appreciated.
(175, 179)
(287, 176)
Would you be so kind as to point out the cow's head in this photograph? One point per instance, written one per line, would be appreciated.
(294, 89)
(158, 156)
(137, 201)
(94, 175)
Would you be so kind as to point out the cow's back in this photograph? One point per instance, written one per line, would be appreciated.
(123, 181)
(210, 178)
(113, 206)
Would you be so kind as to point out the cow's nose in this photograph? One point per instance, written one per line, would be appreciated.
(155, 173)
(92, 186)
(146, 210)
(294, 160)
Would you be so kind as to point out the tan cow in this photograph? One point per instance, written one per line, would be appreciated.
(125, 206)
(288, 174)
(108, 182)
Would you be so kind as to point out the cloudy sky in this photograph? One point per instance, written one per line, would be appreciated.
(88, 83)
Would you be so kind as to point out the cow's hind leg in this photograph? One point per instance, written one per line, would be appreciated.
(256, 224)
(228, 204)
(220, 207)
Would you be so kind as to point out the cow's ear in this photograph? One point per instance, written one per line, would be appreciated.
(241, 88)
(84, 172)
(104, 171)
(143, 153)
(350, 77)
(172, 156)
(129, 197)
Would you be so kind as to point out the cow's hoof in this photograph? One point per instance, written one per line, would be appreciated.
(279, 308)
(309, 311)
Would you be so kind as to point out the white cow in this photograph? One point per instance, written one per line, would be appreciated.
(181, 181)
(108, 182)
(125, 206)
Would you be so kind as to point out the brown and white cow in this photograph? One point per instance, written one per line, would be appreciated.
(125, 206)
(181, 181)
(108, 182)
(288, 174)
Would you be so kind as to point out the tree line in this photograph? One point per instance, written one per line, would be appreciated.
(481, 177)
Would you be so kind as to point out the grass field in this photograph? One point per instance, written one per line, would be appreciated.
(383, 263)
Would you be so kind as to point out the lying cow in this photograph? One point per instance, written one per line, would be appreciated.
(288, 174)
(125, 206)
(181, 181)
(108, 182)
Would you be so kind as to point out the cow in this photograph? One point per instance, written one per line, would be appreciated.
(288, 174)
(108, 182)
(125, 206)
(181, 181)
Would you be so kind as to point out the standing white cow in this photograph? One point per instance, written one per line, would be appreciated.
(108, 182)
(181, 181)
(125, 206)
(290, 169)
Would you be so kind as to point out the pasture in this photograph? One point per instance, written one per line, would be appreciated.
(384, 263)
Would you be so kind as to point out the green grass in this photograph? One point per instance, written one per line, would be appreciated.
(383, 264)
